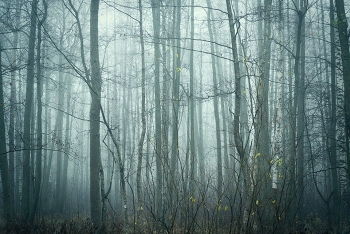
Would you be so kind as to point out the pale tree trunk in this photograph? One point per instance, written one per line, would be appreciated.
(59, 125)
(290, 161)
(192, 108)
(342, 25)
(278, 152)
(59, 141)
(158, 123)
(39, 74)
(11, 133)
(28, 113)
(216, 106)
(176, 97)
(143, 114)
(166, 89)
(66, 146)
(200, 126)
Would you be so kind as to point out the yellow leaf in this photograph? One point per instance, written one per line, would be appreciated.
(178, 69)
(244, 92)
(226, 207)
(219, 207)
(274, 201)
(257, 202)
(257, 155)
(177, 55)
(192, 199)
(279, 162)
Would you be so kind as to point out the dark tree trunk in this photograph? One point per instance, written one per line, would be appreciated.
(95, 144)
(28, 113)
(38, 170)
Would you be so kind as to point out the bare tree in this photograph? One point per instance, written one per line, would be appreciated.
(25, 202)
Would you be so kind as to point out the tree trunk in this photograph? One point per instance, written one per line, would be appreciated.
(342, 25)
(11, 133)
(66, 148)
(28, 113)
(6, 186)
(192, 108)
(299, 104)
(59, 125)
(158, 123)
(143, 114)
(333, 122)
(38, 170)
(216, 107)
(95, 144)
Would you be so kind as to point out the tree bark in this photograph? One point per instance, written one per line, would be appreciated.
(39, 74)
(143, 114)
(158, 123)
(95, 144)
(342, 25)
(6, 186)
(333, 120)
(28, 113)
(216, 106)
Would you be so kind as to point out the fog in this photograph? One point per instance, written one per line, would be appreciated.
(186, 116)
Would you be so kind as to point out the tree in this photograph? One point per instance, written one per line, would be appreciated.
(143, 113)
(6, 186)
(299, 101)
(95, 145)
(25, 202)
(333, 120)
(158, 123)
(216, 107)
(38, 170)
(342, 25)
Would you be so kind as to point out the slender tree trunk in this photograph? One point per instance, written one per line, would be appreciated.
(66, 147)
(143, 114)
(342, 25)
(262, 129)
(333, 121)
(95, 144)
(299, 104)
(59, 126)
(6, 186)
(200, 126)
(38, 170)
(176, 95)
(216, 106)
(192, 107)
(28, 113)
(238, 139)
(11, 133)
(158, 123)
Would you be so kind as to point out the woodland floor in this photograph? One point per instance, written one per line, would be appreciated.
(56, 225)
